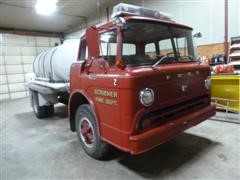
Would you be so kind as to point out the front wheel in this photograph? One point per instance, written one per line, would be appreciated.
(88, 133)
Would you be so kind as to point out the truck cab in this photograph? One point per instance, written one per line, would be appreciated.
(137, 83)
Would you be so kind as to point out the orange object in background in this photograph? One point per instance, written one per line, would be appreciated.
(229, 69)
(223, 69)
(218, 69)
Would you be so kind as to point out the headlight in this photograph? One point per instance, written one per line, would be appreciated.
(208, 83)
(146, 97)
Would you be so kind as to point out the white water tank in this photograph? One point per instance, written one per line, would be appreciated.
(54, 64)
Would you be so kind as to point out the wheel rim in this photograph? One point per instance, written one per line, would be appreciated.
(86, 132)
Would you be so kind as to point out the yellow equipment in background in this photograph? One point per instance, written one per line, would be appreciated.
(226, 91)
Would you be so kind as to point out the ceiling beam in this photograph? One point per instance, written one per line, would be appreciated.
(30, 32)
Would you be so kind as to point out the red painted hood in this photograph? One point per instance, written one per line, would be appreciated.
(171, 83)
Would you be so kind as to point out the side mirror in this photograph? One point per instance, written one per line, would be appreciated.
(93, 42)
(197, 35)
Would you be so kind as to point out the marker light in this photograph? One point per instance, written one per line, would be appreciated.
(208, 83)
(46, 7)
(120, 64)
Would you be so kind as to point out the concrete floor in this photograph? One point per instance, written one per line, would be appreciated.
(47, 149)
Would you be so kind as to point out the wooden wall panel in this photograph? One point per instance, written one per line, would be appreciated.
(211, 49)
(17, 87)
(28, 68)
(44, 41)
(28, 51)
(12, 60)
(4, 88)
(53, 41)
(11, 51)
(3, 79)
(17, 53)
(41, 49)
(1, 59)
(15, 78)
(2, 70)
(4, 96)
(14, 69)
(14, 39)
(15, 95)
(28, 59)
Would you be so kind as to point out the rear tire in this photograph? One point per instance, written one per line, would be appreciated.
(41, 111)
(88, 133)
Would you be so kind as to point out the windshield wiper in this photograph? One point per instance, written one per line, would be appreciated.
(159, 61)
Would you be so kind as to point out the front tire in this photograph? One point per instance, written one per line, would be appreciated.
(41, 111)
(88, 133)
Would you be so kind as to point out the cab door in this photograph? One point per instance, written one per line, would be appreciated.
(101, 83)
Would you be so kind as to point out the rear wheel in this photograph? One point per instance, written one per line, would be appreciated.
(88, 133)
(41, 111)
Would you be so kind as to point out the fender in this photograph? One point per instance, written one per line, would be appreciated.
(86, 100)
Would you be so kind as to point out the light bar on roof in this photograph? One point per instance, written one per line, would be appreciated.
(123, 9)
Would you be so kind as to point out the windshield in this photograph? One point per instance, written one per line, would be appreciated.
(147, 43)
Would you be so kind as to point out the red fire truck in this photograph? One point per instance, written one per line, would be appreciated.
(135, 85)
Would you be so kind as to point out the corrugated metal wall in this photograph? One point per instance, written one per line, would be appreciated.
(17, 53)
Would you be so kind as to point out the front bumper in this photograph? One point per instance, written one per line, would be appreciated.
(147, 140)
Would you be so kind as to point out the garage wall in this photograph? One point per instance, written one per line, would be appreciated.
(17, 53)
(206, 16)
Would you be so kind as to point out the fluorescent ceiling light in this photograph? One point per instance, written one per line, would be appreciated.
(46, 7)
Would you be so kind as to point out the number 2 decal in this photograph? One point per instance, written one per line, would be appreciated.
(115, 82)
